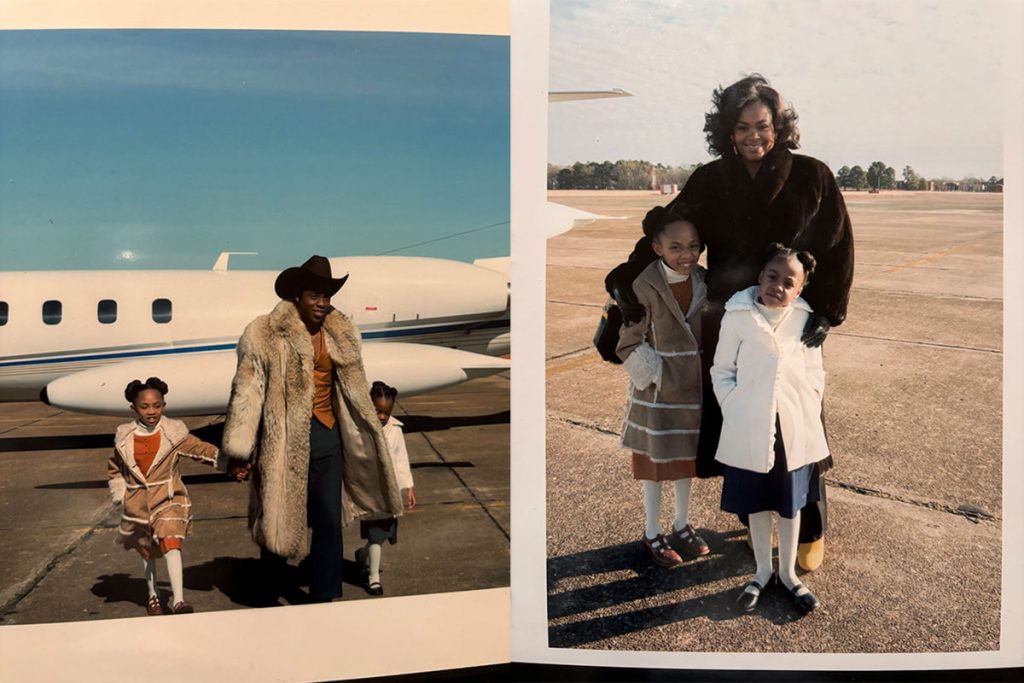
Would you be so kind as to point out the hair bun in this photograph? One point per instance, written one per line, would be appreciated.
(132, 390)
(652, 220)
(381, 390)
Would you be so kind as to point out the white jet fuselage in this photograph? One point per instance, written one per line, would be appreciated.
(186, 325)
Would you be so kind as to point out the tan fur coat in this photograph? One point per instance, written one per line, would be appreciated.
(268, 421)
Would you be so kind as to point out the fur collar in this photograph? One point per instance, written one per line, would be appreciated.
(769, 180)
(172, 432)
(285, 321)
(744, 299)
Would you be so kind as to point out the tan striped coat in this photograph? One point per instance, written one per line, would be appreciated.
(664, 422)
(155, 504)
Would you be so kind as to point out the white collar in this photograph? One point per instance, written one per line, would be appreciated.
(672, 276)
(774, 316)
(143, 430)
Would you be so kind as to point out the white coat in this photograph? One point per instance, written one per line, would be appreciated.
(399, 455)
(759, 372)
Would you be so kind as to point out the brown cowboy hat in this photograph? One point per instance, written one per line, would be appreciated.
(313, 275)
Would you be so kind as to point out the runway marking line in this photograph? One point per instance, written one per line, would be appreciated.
(936, 256)
(586, 358)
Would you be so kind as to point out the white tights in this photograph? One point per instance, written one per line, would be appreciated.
(761, 540)
(174, 572)
(373, 561)
(652, 505)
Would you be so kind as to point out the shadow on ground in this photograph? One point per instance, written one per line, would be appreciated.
(239, 579)
(726, 560)
(424, 423)
(189, 479)
(211, 433)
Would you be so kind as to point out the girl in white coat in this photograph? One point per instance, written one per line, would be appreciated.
(377, 530)
(769, 385)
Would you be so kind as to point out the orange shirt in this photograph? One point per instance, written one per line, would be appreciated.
(323, 381)
(145, 450)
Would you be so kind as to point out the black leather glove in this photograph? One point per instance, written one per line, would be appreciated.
(632, 310)
(619, 284)
(815, 330)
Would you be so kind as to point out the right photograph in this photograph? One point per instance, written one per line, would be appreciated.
(774, 328)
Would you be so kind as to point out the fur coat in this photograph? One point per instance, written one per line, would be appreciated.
(760, 372)
(268, 421)
(155, 503)
(663, 419)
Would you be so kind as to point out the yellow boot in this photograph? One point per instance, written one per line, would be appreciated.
(810, 555)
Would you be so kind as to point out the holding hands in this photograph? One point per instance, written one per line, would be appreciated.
(239, 469)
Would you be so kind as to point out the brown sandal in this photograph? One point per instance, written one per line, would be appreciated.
(661, 553)
(153, 607)
(182, 607)
(689, 542)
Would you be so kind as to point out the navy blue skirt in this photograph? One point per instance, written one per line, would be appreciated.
(745, 492)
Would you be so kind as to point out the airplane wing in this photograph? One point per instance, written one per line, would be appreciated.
(202, 382)
(560, 218)
(570, 95)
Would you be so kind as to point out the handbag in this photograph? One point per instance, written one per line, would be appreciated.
(607, 336)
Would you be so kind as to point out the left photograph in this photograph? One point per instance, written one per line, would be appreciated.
(254, 319)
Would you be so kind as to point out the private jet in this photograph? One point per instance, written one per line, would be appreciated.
(74, 339)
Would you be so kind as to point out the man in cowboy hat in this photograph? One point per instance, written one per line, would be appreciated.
(300, 416)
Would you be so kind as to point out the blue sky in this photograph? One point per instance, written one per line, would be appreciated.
(160, 148)
(917, 82)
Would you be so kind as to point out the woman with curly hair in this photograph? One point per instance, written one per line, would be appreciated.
(755, 193)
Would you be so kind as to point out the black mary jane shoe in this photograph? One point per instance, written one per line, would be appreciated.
(748, 598)
(806, 602)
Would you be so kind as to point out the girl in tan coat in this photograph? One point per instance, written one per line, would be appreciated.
(145, 476)
(661, 353)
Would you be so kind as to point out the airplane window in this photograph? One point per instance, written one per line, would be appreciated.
(106, 311)
(52, 312)
(3, 312)
(162, 310)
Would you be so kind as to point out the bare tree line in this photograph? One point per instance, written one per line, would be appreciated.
(632, 174)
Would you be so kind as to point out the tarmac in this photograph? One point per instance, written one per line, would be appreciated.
(60, 562)
(913, 406)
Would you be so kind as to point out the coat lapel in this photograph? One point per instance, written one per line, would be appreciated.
(745, 299)
(124, 442)
(172, 433)
(757, 193)
(654, 276)
(700, 292)
(287, 324)
(779, 167)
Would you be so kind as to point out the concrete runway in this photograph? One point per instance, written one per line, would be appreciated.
(57, 524)
(914, 411)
